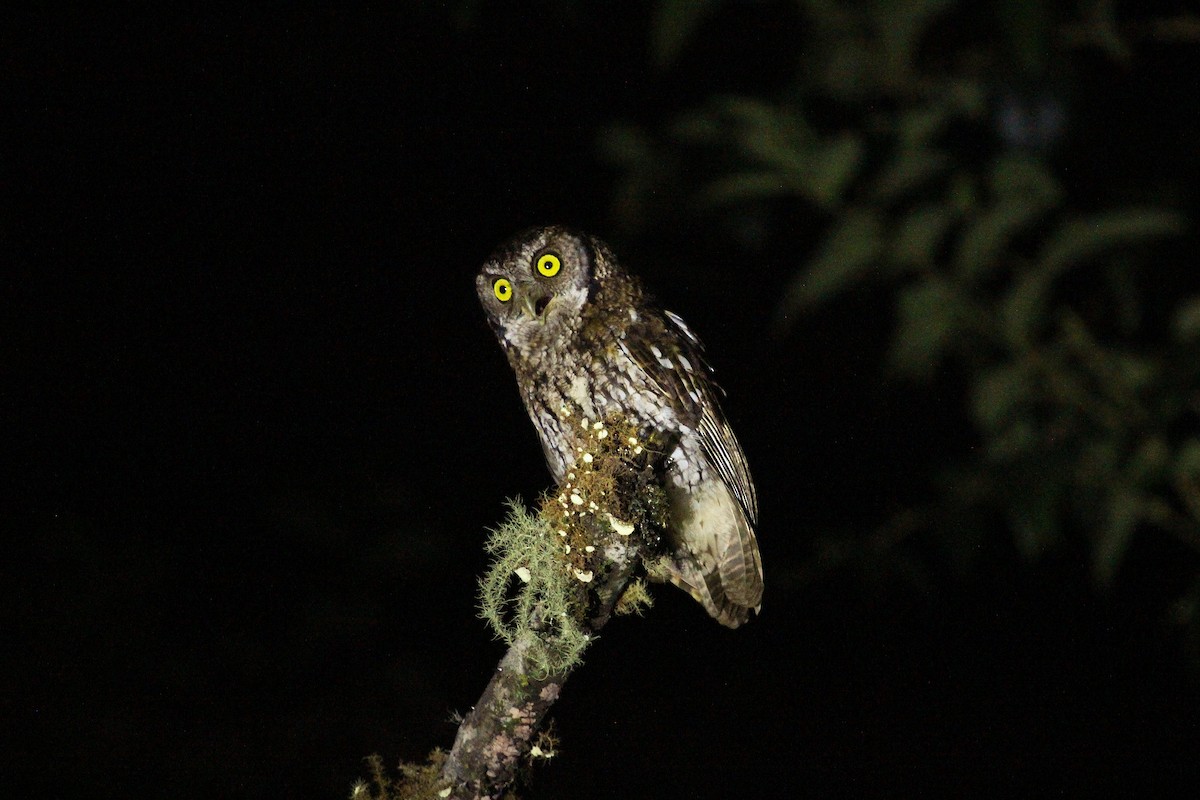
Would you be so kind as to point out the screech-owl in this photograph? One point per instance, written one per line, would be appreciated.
(585, 340)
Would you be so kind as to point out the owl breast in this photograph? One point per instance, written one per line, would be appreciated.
(567, 388)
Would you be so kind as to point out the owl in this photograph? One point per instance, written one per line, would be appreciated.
(585, 340)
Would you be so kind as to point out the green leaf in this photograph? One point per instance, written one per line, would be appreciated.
(920, 234)
(752, 115)
(929, 321)
(901, 25)
(1023, 309)
(674, 23)
(1124, 514)
(1149, 462)
(848, 253)
(1028, 27)
(1081, 239)
(697, 127)
(998, 393)
(908, 170)
(1012, 441)
(820, 177)
(1187, 461)
(961, 193)
(830, 174)
(1133, 371)
(779, 139)
(1025, 179)
(989, 233)
(1023, 192)
(1098, 461)
(967, 96)
(747, 186)
(1101, 28)
(919, 127)
(1187, 320)
(770, 147)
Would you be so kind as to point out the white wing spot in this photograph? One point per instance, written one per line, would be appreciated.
(683, 328)
(579, 391)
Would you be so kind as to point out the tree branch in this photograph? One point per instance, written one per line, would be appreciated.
(575, 560)
(500, 731)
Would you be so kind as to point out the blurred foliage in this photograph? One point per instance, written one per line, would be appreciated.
(926, 156)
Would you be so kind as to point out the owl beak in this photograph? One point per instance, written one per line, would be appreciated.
(535, 308)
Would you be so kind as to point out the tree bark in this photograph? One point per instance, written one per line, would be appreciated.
(496, 737)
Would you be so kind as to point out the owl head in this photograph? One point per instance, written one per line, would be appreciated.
(535, 287)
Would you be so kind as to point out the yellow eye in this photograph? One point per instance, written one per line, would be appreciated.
(548, 265)
(502, 289)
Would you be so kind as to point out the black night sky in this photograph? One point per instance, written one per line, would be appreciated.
(258, 427)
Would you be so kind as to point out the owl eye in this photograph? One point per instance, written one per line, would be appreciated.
(502, 289)
(548, 265)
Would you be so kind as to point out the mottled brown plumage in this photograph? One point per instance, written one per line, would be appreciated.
(585, 340)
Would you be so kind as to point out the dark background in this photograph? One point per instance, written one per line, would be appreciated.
(258, 428)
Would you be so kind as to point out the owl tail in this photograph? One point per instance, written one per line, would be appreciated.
(716, 554)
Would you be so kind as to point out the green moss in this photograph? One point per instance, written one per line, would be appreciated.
(545, 746)
(528, 594)
(536, 590)
(612, 490)
(416, 782)
(635, 600)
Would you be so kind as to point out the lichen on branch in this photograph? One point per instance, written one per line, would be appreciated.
(557, 575)
(543, 611)
(556, 578)
(539, 587)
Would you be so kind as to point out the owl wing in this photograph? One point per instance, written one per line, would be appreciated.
(727, 575)
(686, 378)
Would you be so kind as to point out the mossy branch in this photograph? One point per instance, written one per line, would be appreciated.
(571, 565)
(498, 735)
(557, 576)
